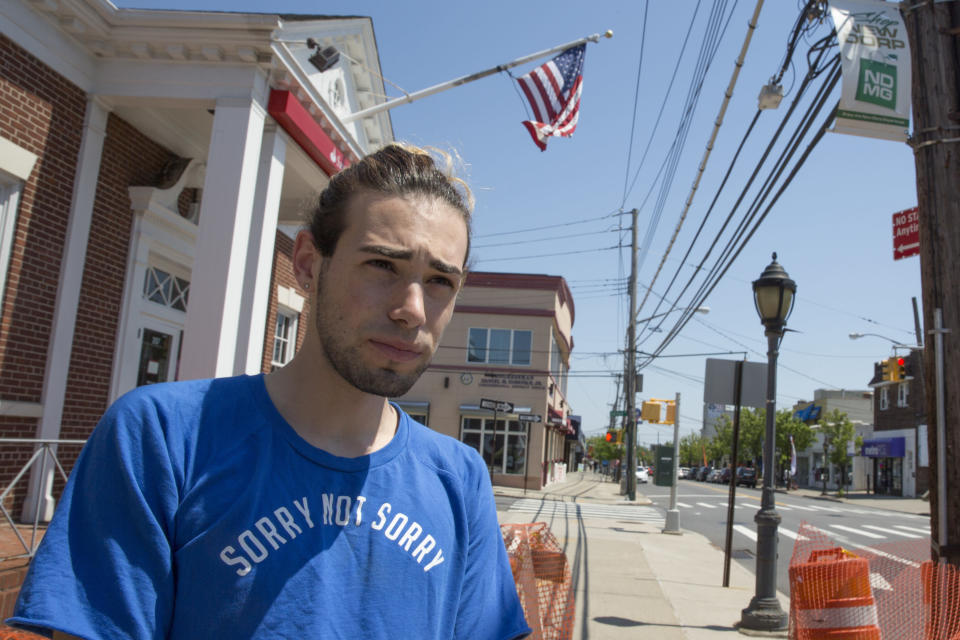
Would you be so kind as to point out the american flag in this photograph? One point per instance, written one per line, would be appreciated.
(553, 90)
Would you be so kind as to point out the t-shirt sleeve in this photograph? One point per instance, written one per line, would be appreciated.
(104, 568)
(490, 608)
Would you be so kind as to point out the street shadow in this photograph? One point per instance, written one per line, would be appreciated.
(616, 621)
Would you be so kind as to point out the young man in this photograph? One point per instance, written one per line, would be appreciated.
(301, 504)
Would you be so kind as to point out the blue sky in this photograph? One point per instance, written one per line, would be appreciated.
(831, 228)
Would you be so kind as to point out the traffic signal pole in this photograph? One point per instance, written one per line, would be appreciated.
(631, 372)
(933, 37)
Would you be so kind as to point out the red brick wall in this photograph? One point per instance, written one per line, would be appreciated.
(282, 276)
(44, 113)
(129, 159)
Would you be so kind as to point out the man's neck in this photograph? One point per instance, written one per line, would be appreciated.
(328, 412)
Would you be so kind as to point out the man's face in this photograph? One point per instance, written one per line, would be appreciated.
(387, 293)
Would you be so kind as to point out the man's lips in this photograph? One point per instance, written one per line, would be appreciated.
(398, 351)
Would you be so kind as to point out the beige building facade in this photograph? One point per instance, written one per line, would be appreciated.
(509, 341)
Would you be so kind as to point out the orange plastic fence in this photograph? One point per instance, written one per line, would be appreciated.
(543, 578)
(886, 591)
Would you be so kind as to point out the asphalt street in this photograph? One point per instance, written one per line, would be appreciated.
(703, 508)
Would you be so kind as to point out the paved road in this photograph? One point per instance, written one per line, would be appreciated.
(703, 508)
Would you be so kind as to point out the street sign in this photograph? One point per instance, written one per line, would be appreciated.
(618, 414)
(496, 405)
(530, 417)
(906, 233)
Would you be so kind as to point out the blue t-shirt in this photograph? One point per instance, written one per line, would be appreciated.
(196, 511)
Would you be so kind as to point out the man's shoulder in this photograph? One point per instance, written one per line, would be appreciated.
(441, 450)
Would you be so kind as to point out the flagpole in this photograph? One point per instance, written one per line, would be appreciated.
(429, 91)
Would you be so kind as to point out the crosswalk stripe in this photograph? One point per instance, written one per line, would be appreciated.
(683, 504)
(915, 529)
(796, 506)
(752, 505)
(783, 507)
(630, 513)
(859, 532)
(750, 533)
(884, 530)
(856, 545)
(708, 506)
(793, 535)
(818, 508)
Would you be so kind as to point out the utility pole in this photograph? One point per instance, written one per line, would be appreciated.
(631, 373)
(933, 30)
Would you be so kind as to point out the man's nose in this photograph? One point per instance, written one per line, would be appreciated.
(409, 309)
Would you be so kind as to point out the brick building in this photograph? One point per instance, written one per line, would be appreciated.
(152, 167)
(509, 340)
(897, 452)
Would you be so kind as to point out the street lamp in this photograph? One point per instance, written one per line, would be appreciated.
(773, 295)
(896, 343)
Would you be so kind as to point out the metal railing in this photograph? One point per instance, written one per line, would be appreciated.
(44, 450)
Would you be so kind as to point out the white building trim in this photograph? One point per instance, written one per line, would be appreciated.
(259, 259)
(209, 346)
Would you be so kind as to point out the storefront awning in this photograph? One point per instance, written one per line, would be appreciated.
(884, 448)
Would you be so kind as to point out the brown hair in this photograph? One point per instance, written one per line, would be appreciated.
(396, 169)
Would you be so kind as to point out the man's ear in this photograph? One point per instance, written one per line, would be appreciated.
(306, 258)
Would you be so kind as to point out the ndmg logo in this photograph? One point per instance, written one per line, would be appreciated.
(877, 83)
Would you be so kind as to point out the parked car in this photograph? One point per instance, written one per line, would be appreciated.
(724, 475)
(703, 473)
(643, 476)
(747, 476)
(683, 472)
(714, 475)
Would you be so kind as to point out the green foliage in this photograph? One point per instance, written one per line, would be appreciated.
(603, 450)
(787, 425)
(838, 433)
(720, 446)
(691, 450)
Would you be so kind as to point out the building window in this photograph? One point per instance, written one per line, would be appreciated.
(504, 448)
(903, 394)
(166, 289)
(558, 368)
(284, 338)
(10, 189)
(499, 346)
(884, 399)
(419, 417)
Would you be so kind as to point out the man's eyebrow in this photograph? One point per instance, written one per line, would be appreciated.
(402, 254)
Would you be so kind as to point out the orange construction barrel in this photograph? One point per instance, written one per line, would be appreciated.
(831, 597)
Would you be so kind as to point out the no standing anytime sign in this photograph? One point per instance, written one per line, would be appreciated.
(906, 233)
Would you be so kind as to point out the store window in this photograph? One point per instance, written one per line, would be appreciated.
(499, 346)
(504, 447)
(284, 337)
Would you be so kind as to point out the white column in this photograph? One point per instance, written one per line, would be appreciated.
(216, 286)
(263, 233)
(67, 301)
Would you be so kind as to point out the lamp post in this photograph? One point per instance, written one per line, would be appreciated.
(773, 295)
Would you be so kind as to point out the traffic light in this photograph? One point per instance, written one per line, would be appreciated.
(901, 369)
(611, 435)
(895, 369)
(671, 413)
(650, 411)
(886, 369)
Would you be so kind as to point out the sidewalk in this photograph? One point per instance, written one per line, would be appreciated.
(633, 581)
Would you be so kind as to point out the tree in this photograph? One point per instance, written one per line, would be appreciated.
(787, 425)
(752, 424)
(603, 450)
(838, 433)
(692, 447)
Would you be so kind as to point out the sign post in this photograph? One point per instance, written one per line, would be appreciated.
(526, 419)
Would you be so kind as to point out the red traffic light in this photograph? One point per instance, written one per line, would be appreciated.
(609, 436)
(900, 362)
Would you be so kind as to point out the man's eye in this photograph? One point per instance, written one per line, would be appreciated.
(381, 264)
(442, 280)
